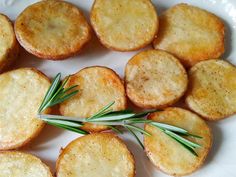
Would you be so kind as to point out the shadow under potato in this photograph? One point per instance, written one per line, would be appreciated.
(143, 166)
(217, 141)
(42, 141)
(26, 59)
(93, 49)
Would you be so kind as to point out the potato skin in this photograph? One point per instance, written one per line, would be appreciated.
(155, 79)
(22, 164)
(167, 154)
(95, 154)
(9, 48)
(121, 31)
(212, 90)
(52, 29)
(191, 34)
(98, 86)
(19, 124)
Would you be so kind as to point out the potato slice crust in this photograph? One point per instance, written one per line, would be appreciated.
(212, 92)
(168, 155)
(98, 86)
(124, 25)
(52, 29)
(191, 34)
(19, 164)
(155, 79)
(9, 47)
(99, 154)
(22, 92)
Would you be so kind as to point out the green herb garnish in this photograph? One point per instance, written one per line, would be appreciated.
(106, 116)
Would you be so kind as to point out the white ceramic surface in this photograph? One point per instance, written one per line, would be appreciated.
(221, 161)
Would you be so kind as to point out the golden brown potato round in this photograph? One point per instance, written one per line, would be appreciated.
(124, 25)
(98, 86)
(99, 154)
(212, 92)
(191, 34)
(52, 29)
(9, 47)
(19, 164)
(167, 154)
(22, 92)
(155, 79)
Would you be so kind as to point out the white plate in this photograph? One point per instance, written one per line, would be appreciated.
(221, 161)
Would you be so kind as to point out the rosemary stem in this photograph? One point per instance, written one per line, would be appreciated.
(76, 119)
(58, 117)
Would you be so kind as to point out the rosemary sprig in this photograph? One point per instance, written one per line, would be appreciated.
(57, 93)
(106, 116)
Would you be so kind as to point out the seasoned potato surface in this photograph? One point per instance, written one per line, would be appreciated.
(99, 154)
(19, 164)
(212, 90)
(124, 25)
(9, 47)
(22, 92)
(52, 29)
(155, 79)
(191, 34)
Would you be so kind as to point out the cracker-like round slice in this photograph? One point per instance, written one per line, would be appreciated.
(22, 92)
(99, 154)
(191, 34)
(9, 47)
(18, 164)
(52, 29)
(124, 25)
(155, 79)
(98, 86)
(166, 153)
(212, 90)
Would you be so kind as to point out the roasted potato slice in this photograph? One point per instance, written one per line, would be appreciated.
(99, 154)
(124, 25)
(98, 86)
(167, 154)
(19, 164)
(212, 90)
(22, 92)
(9, 47)
(191, 34)
(52, 29)
(155, 79)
